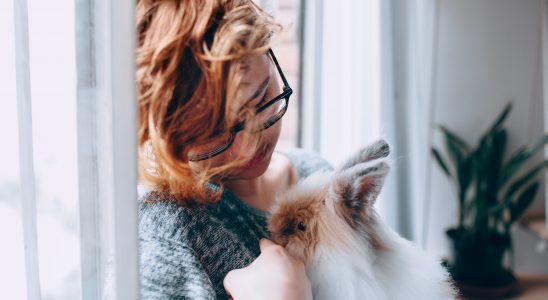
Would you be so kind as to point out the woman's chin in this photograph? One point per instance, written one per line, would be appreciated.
(254, 169)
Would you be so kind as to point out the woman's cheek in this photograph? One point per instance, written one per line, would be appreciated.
(270, 138)
(276, 131)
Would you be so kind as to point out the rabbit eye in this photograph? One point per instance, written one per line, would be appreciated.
(301, 226)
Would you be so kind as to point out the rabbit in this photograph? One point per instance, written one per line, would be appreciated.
(329, 222)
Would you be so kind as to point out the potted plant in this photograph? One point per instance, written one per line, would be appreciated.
(490, 200)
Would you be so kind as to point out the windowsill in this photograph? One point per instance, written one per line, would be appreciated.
(535, 286)
(532, 287)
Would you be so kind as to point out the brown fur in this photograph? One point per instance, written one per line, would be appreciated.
(289, 212)
(333, 209)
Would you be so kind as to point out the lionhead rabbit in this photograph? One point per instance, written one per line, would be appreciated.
(329, 222)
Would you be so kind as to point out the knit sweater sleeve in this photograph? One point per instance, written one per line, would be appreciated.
(171, 270)
(168, 270)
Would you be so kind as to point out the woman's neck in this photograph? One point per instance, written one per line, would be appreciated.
(260, 192)
(252, 191)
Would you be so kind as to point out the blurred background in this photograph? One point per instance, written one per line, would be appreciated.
(421, 74)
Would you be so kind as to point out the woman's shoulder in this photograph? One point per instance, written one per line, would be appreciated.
(305, 162)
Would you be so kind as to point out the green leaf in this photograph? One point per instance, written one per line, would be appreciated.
(524, 201)
(514, 163)
(502, 117)
(517, 160)
(441, 162)
(482, 167)
(524, 179)
(454, 139)
(494, 164)
(497, 208)
(465, 173)
(465, 176)
(455, 152)
(486, 169)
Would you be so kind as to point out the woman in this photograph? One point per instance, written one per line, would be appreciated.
(211, 99)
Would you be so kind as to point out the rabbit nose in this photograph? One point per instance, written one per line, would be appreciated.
(288, 231)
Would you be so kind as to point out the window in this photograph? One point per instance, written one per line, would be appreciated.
(287, 49)
(51, 181)
(341, 77)
(53, 146)
(12, 277)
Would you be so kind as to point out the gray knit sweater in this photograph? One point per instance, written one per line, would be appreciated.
(185, 252)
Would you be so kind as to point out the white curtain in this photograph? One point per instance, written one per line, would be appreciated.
(368, 74)
(409, 43)
(341, 83)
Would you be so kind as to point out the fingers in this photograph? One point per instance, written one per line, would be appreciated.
(265, 243)
(230, 280)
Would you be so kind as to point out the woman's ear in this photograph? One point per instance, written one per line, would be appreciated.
(358, 187)
(377, 150)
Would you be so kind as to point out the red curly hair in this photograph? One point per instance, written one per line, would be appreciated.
(190, 58)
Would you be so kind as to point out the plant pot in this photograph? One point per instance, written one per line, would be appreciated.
(476, 264)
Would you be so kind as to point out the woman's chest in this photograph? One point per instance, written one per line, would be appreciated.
(231, 243)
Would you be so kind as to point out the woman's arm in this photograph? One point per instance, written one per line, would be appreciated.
(274, 275)
(170, 270)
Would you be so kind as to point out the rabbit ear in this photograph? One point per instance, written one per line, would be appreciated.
(377, 150)
(358, 188)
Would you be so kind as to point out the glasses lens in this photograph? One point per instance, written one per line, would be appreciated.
(271, 114)
(275, 108)
(211, 148)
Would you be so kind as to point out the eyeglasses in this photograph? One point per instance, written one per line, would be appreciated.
(268, 114)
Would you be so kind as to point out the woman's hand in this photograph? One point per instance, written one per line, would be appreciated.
(274, 275)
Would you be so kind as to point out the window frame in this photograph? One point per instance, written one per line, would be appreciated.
(26, 159)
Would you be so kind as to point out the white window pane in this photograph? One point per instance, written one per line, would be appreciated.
(12, 260)
(287, 50)
(51, 35)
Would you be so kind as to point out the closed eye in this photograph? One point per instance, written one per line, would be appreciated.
(263, 101)
(263, 87)
(242, 111)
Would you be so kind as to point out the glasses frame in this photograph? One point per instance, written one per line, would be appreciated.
(286, 93)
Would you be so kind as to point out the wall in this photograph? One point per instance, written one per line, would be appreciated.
(489, 53)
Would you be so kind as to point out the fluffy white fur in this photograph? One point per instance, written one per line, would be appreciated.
(344, 263)
(345, 266)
